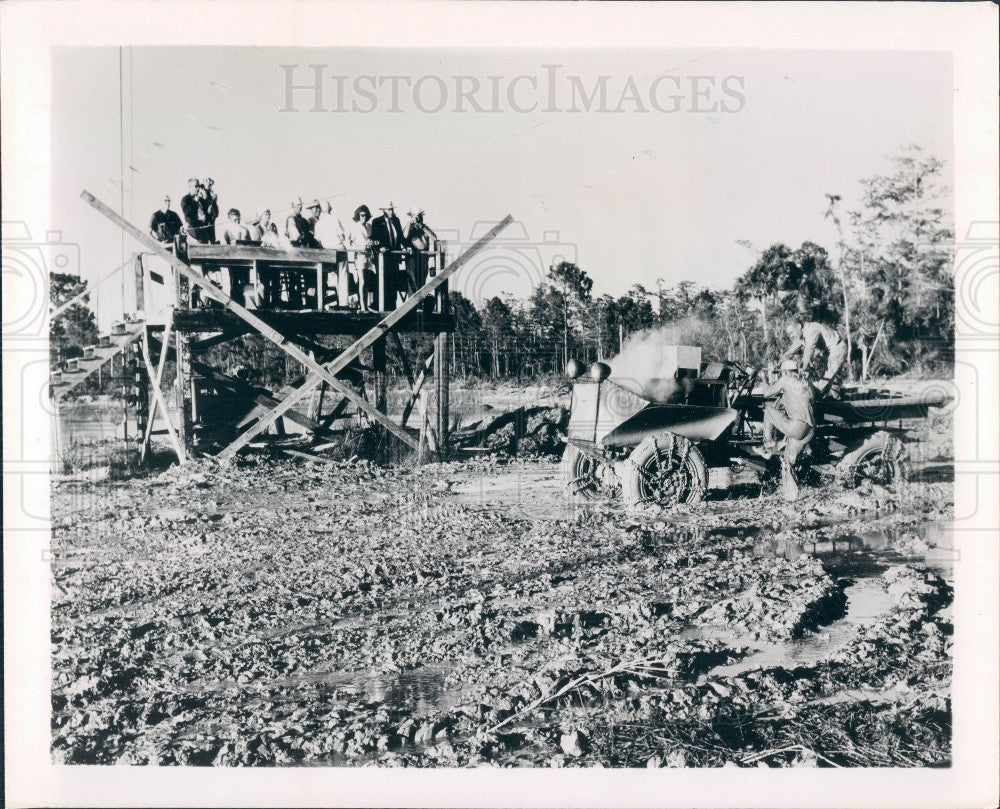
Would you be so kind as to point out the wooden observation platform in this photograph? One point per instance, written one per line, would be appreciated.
(304, 291)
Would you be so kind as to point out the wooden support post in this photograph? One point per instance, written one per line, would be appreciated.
(182, 389)
(140, 292)
(319, 404)
(442, 381)
(381, 375)
(381, 281)
(442, 375)
(154, 402)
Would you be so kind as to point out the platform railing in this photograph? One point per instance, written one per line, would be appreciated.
(317, 280)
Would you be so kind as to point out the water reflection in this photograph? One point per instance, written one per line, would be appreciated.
(421, 690)
(840, 550)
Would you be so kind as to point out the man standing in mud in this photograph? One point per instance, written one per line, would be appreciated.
(805, 337)
(792, 415)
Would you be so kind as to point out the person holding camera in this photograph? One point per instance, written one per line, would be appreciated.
(209, 202)
(420, 238)
(194, 213)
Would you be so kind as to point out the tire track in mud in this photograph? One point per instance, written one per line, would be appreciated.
(345, 629)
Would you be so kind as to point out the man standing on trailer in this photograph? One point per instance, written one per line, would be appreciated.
(806, 337)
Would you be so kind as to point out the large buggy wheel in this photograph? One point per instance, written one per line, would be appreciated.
(666, 470)
(882, 458)
(587, 477)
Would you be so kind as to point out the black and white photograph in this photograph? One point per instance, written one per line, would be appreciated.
(585, 404)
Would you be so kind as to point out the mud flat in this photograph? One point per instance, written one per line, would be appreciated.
(469, 614)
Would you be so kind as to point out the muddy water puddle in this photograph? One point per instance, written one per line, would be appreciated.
(867, 601)
(421, 690)
(855, 559)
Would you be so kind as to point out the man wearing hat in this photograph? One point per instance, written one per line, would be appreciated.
(792, 415)
(387, 235)
(323, 228)
(165, 224)
(805, 336)
(194, 213)
(420, 238)
(209, 201)
(295, 223)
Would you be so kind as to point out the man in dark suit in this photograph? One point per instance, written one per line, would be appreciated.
(194, 214)
(387, 234)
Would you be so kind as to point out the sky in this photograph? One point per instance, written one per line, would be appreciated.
(631, 196)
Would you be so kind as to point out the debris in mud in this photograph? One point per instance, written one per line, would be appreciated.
(526, 431)
(228, 615)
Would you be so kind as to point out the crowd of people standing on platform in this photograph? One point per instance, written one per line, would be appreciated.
(404, 250)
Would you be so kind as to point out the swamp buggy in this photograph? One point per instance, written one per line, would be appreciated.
(673, 438)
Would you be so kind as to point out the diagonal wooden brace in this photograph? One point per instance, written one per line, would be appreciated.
(272, 334)
(415, 386)
(373, 334)
(155, 379)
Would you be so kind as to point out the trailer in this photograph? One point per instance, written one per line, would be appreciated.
(698, 428)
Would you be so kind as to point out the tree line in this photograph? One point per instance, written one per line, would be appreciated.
(886, 285)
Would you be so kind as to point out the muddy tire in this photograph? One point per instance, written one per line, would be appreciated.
(585, 476)
(666, 470)
(882, 458)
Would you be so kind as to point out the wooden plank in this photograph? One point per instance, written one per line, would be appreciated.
(387, 323)
(270, 333)
(418, 383)
(350, 322)
(140, 292)
(308, 456)
(305, 257)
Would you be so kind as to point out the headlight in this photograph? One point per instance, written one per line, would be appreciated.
(600, 371)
